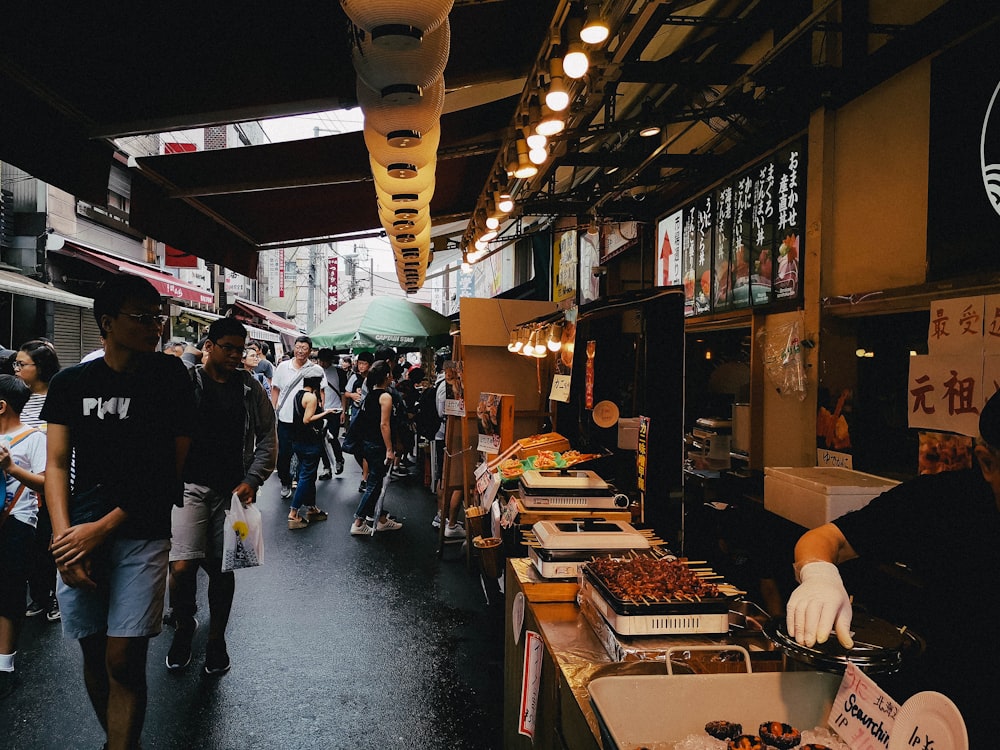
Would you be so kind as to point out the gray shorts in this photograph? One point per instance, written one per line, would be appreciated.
(130, 603)
(196, 529)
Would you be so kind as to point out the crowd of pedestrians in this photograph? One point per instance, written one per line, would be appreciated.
(88, 539)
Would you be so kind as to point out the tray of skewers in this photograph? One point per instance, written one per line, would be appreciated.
(640, 594)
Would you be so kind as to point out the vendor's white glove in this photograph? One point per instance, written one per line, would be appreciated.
(819, 606)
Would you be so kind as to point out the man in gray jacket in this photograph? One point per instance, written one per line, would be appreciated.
(233, 451)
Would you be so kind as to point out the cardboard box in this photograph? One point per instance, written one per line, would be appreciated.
(813, 496)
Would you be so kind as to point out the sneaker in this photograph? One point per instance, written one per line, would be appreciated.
(436, 523)
(8, 683)
(286, 491)
(298, 523)
(363, 486)
(399, 472)
(216, 658)
(53, 614)
(389, 524)
(316, 514)
(340, 467)
(324, 476)
(454, 532)
(362, 530)
(34, 609)
(179, 655)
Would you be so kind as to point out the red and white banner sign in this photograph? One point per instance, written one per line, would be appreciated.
(332, 285)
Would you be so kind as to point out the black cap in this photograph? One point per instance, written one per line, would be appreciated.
(366, 357)
(989, 421)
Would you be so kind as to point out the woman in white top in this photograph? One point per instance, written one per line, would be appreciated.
(35, 363)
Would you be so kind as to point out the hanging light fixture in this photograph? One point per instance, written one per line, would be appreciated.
(397, 24)
(528, 350)
(551, 123)
(555, 337)
(557, 97)
(524, 168)
(575, 61)
(505, 202)
(650, 128)
(595, 29)
(400, 75)
(515, 341)
(413, 118)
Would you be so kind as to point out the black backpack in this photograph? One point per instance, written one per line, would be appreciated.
(428, 421)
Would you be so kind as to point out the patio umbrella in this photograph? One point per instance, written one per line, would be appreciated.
(371, 322)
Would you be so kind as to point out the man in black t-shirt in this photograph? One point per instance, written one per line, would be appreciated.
(128, 417)
(233, 451)
(938, 534)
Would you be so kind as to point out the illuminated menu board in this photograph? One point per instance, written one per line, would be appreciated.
(741, 245)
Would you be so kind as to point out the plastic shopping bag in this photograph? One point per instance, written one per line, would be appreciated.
(243, 537)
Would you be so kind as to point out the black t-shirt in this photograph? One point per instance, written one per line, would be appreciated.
(946, 529)
(216, 456)
(122, 430)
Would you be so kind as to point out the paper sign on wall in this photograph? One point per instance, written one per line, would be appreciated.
(531, 683)
(947, 392)
(862, 714)
(956, 326)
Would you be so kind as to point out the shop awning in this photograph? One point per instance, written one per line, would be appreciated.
(275, 322)
(166, 285)
(15, 283)
(258, 334)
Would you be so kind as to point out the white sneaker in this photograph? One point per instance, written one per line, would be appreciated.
(436, 523)
(388, 524)
(362, 530)
(454, 532)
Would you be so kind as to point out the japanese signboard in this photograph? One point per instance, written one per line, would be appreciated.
(668, 240)
(722, 283)
(332, 285)
(741, 244)
(790, 219)
(564, 266)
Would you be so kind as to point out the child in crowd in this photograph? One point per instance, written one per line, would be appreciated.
(22, 461)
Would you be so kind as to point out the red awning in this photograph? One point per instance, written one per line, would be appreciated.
(166, 285)
(276, 322)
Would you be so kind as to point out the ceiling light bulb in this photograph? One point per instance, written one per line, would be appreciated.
(505, 202)
(576, 63)
(557, 98)
(595, 29)
(538, 155)
(485, 237)
(480, 245)
(525, 168)
(649, 131)
(529, 348)
(536, 139)
(492, 222)
(551, 123)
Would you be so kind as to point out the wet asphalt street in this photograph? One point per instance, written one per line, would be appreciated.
(336, 642)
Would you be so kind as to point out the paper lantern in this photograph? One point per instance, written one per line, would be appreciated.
(395, 73)
(416, 117)
(397, 23)
(420, 154)
(394, 184)
(409, 201)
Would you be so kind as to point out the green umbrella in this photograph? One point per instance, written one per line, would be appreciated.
(371, 322)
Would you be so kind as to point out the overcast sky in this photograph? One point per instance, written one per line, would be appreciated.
(309, 126)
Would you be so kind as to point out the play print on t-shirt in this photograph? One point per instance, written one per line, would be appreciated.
(102, 407)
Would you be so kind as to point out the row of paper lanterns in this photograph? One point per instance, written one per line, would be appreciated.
(399, 52)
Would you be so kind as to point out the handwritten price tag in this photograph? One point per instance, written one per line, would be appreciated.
(862, 714)
(530, 683)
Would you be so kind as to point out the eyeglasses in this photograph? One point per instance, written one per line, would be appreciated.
(229, 348)
(18, 365)
(146, 319)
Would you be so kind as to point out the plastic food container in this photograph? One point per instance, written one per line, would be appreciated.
(813, 496)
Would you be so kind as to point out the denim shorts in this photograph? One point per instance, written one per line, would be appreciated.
(196, 529)
(129, 604)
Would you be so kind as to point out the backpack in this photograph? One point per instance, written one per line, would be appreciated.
(428, 421)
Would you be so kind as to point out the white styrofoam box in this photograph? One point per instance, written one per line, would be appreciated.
(814, 495)
(661, 710)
